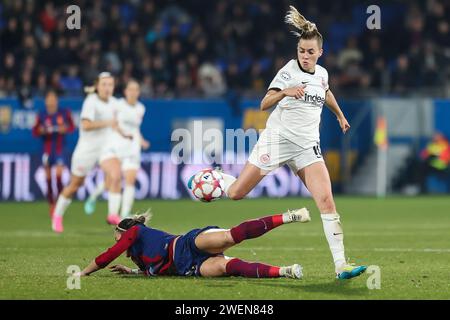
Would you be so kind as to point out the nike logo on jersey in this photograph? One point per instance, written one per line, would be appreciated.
(335, 234)
(305, 82)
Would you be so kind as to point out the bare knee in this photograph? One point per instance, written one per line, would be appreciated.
(228, 240)
(235, 193)
(114, 179)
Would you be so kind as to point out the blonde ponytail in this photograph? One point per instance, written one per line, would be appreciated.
(143, 218)
(306, 29)
(127, 223)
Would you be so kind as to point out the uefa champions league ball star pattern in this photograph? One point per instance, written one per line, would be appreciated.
(208, 185)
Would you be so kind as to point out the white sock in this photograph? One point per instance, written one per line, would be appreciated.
(98, 191)
(127, 200)
(335, 236)
(114, 203)
(61, 205)
(229, 180)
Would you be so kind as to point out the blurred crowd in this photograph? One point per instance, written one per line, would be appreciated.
(211, 48)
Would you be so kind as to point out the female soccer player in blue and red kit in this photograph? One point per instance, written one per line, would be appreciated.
(52, 125)
(200, 252)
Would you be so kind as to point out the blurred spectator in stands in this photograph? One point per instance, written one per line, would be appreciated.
(258, 79)
(402, 78)
(41, 84)
(9, 68)
(147, 87)
(71, 82)
(48, 17)
(350, 55)
(25, 92)
(3, 90)
(11, 36)
(212, 82)
(156, 35)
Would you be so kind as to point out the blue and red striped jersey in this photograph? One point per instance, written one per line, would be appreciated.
(151, 250)
(47, 127)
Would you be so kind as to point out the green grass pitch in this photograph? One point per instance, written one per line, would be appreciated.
(408, 238)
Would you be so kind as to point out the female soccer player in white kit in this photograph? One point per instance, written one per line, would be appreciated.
(97, 123)
(130, 113)
(299, 91)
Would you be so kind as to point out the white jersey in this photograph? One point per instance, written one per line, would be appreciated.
(129, 118)
(95, 109)
(298, 120)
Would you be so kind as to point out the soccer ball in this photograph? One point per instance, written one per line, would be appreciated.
(208, 185)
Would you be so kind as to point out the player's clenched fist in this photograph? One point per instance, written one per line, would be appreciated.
(295, 92)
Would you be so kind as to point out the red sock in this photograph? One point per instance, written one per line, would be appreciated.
(255, 228)
(237, 267)
(49, 191)
(59, 184)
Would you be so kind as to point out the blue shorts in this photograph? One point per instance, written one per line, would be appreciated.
(188, 258)
(52, 159)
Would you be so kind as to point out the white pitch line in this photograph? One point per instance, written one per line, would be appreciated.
(424, 250)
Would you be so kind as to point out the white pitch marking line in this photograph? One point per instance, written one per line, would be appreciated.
(433, 250)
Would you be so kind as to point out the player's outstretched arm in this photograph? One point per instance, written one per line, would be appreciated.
(120, 269)
(122, 245)
(92, 267)
(332, 104)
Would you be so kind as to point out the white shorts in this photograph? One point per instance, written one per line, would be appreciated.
(128, 153)
(84, 160)
(273, 151)
(132, 162)
(118, 147)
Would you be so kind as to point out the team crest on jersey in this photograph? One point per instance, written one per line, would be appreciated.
(285, 75)
(265, 158)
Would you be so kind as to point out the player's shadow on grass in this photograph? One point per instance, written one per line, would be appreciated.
(335, 286)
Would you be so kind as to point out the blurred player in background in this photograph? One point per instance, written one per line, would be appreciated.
(299, 91)
(125, 147)
(52, 125)
(200, 252)
(97, 122)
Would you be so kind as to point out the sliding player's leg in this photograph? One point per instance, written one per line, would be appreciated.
(111, 168)
(316, 178)
(224, 266)
(218, 240)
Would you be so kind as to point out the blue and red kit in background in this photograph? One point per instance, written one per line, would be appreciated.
(52, 129)
(48, 127)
